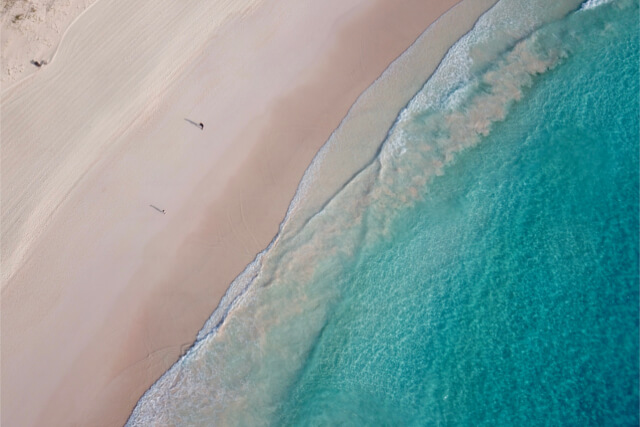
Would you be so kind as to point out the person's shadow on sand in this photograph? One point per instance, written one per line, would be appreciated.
(200, 125)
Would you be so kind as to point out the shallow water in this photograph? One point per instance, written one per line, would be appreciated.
(482, 270)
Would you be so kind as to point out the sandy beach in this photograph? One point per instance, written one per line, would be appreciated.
(123, 222)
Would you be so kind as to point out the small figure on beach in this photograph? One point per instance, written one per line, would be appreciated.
(201, 126)
(162, 211)
(39, 63)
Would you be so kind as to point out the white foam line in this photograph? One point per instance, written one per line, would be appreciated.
(590, 4)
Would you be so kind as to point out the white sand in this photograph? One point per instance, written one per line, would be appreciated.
(109, 74)
(101, 292)
(31, 31)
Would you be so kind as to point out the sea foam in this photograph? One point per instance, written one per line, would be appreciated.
(590, 4)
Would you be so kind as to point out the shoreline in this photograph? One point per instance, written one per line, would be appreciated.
(357, 137)
(91, 351)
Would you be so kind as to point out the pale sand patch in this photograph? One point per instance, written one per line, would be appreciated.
(31, 30)
(111, 291)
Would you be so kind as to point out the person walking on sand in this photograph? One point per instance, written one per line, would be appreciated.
(201, 126)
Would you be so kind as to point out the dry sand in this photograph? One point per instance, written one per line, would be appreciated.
(101, 293)
(31, 31)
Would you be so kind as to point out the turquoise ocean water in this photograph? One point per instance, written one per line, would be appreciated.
(482, 270)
